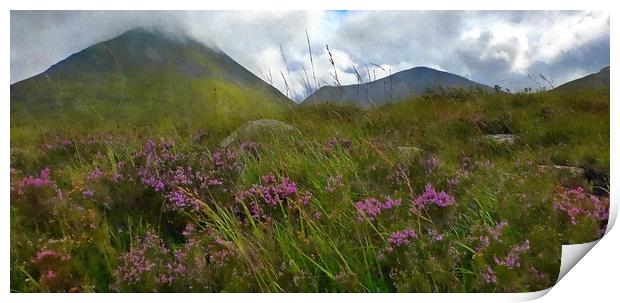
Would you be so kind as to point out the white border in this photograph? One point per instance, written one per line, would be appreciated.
(592, 279)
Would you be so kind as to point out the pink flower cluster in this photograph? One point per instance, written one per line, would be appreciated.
(431, 196)
(512, 259)
(334, 143)
(488, 275)
(371, 208)
(271, 193)
(577, 204)
(333, 183)
(52, 267)
(400, 238)
(142, 258)
(42, 180)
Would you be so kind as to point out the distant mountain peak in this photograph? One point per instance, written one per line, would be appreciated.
(592, 81)
(144, 55)
(394, 88)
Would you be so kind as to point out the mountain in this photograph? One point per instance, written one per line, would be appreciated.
(592, 81)
(147, 74)
(397, 87)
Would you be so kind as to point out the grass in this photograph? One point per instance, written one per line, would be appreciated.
(322, 246)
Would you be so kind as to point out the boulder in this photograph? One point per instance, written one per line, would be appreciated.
(568, 175)
(502, 138)
(570, 170)
(258, 130)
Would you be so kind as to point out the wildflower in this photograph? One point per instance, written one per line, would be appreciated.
(484, 243)
(140, 260)
(305, 198)
(390, 203)
(50, 275)
(271, 193)
(268, 179)
(497, 230)
(89, 193)
(454, 182)
(400, 238)
(577, 204)
(434, 234)
(180, 176)
(488, 275)
(333, 183)
(95, 174)
(401, 173)
(334, 143)
(287, 187)
(178, 199)
(430, 163)
(42, 180)
(512, 259)
(371, 208)
(430, 196)
(214, 181)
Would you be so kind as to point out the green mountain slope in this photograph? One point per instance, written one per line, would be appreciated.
(144, 78)
(592, 81)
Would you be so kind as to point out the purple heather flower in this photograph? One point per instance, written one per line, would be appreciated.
(268, 179)
(289, 186)
(178, 199)
(497, 230)
(434, 234)
(488, 275)
(305, 198)
(430, 196)
(50, 274)
(391, 203)
(453, 182)
(371, 208)
(214, 181)
(333, 183)
(512, 259)
(430, 163)
(400, 238)
(42, 180)
(89, 193)
(577, 204)
(484, 243)
(95, 174)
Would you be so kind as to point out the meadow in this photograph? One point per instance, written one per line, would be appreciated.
(407, 197)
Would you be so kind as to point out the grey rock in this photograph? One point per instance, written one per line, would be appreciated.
(502, 138)
(568, 170)
(257, 130)
(567, 175)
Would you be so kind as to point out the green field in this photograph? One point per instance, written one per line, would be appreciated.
(136, 194)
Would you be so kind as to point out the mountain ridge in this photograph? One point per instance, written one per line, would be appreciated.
(596, 80)
(394, 88)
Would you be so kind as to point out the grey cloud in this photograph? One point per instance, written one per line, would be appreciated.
(507, 49)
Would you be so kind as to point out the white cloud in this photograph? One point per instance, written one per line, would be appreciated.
(486, 46)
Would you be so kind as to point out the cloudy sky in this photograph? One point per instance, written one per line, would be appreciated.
(509, 48)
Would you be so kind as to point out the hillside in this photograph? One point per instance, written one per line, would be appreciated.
(592, 81)
(141, 77)
(397, 87)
